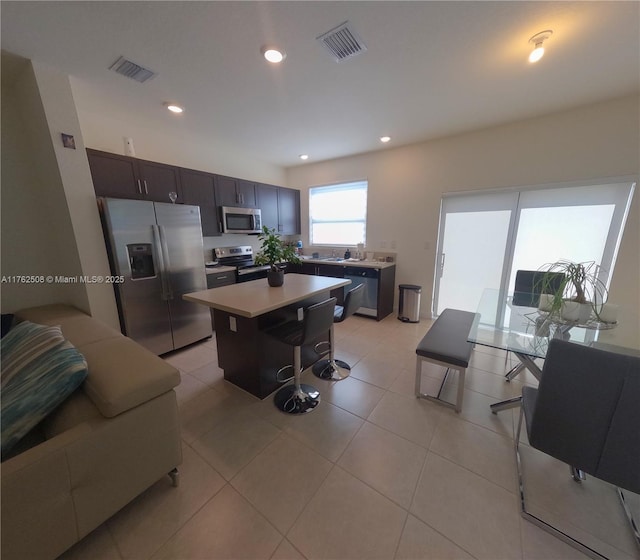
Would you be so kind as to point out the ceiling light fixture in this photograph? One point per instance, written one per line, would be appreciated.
(273, 54)
(304, 156)
(385, 139)
(537, 40)
(174, 108)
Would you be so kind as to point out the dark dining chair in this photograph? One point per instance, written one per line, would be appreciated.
(585, 413)
(528, 287)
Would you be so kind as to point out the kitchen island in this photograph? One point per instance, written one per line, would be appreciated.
(250, 358)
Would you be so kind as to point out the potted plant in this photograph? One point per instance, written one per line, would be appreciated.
(274, 251)
(579, 292)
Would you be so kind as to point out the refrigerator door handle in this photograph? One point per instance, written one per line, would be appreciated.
(166, 264)
(161, 268)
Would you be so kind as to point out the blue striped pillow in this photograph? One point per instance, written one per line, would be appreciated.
(40, 369)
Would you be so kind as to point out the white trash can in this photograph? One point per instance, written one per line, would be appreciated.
(409, 304)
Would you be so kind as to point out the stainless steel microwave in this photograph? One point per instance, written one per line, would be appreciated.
(241, 220)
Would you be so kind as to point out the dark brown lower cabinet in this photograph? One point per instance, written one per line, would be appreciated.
(217, 280)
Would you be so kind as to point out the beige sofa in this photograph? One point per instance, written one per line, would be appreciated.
(113, 438)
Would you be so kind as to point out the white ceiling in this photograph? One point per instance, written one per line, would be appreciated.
(431, 69)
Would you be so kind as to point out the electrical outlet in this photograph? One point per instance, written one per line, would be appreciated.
(232, 324)
(427, 246)
(383, 244)
(393, 244)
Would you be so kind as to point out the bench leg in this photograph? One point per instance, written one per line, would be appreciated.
(418, 376)
(457, 406)
(461, 375)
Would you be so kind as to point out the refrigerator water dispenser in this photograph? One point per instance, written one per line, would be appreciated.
(141, 261)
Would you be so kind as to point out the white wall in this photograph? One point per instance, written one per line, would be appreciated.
(406, 185)
(77, 186)
(163, 140)
(44, 231)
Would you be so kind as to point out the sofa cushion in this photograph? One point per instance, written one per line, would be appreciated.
(40, 369)
(77, 327)
(123, 374)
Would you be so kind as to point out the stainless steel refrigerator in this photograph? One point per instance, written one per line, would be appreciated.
(157, 249)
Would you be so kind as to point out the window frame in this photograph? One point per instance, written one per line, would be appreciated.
(342, 186)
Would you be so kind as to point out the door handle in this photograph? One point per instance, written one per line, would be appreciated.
(139, 187)
(165, 257)
(161, 268)
(146, 190)
(442, 258)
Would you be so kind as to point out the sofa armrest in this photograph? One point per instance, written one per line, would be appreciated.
(123, 375)
(36, 493)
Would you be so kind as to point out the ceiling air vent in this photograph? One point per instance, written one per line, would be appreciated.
(132, 70)
(342, 42)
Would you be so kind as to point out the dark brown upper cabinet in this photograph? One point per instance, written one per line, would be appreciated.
(198, 189)
(280, 208)
(289, 211)
(234, 192)
(126, 177)
(268, 203)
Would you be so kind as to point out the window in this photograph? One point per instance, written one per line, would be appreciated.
(338, 214)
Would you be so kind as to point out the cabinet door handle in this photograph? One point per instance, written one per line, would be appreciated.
(139, 187)
(146, 190)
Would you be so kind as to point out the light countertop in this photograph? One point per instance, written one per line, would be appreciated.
(362, 264)
(250, 299)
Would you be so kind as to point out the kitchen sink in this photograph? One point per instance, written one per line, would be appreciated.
(333, 259)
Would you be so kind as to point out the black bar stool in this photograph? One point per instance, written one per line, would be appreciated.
(333, 369)
(318, 319)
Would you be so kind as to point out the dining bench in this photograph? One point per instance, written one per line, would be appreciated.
(445, 344)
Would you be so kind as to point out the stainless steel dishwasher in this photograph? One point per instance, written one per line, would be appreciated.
(368, 277)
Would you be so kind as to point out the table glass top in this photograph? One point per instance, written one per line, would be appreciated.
(519, 329)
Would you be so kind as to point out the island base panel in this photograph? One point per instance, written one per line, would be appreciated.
(250, 358)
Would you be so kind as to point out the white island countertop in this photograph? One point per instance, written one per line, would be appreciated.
(250, 299)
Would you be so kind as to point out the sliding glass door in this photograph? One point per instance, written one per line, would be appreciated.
(485, 238)
(472, 248)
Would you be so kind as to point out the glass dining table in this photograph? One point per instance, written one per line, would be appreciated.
(525, 332)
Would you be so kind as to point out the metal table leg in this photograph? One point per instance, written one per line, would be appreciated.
(526, 362)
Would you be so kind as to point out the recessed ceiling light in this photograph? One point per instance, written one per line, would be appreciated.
(537, 40)
(304, 156)
(273, 54)
(174, 108)
(385, 139)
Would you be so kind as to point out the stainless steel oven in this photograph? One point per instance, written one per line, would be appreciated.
(241, 220)
(240, 257)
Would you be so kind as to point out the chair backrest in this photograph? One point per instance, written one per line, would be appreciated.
(587, 412)
(352, 302)
(528, 286)
(318, 319)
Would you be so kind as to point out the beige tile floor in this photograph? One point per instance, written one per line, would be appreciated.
(373, 472)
